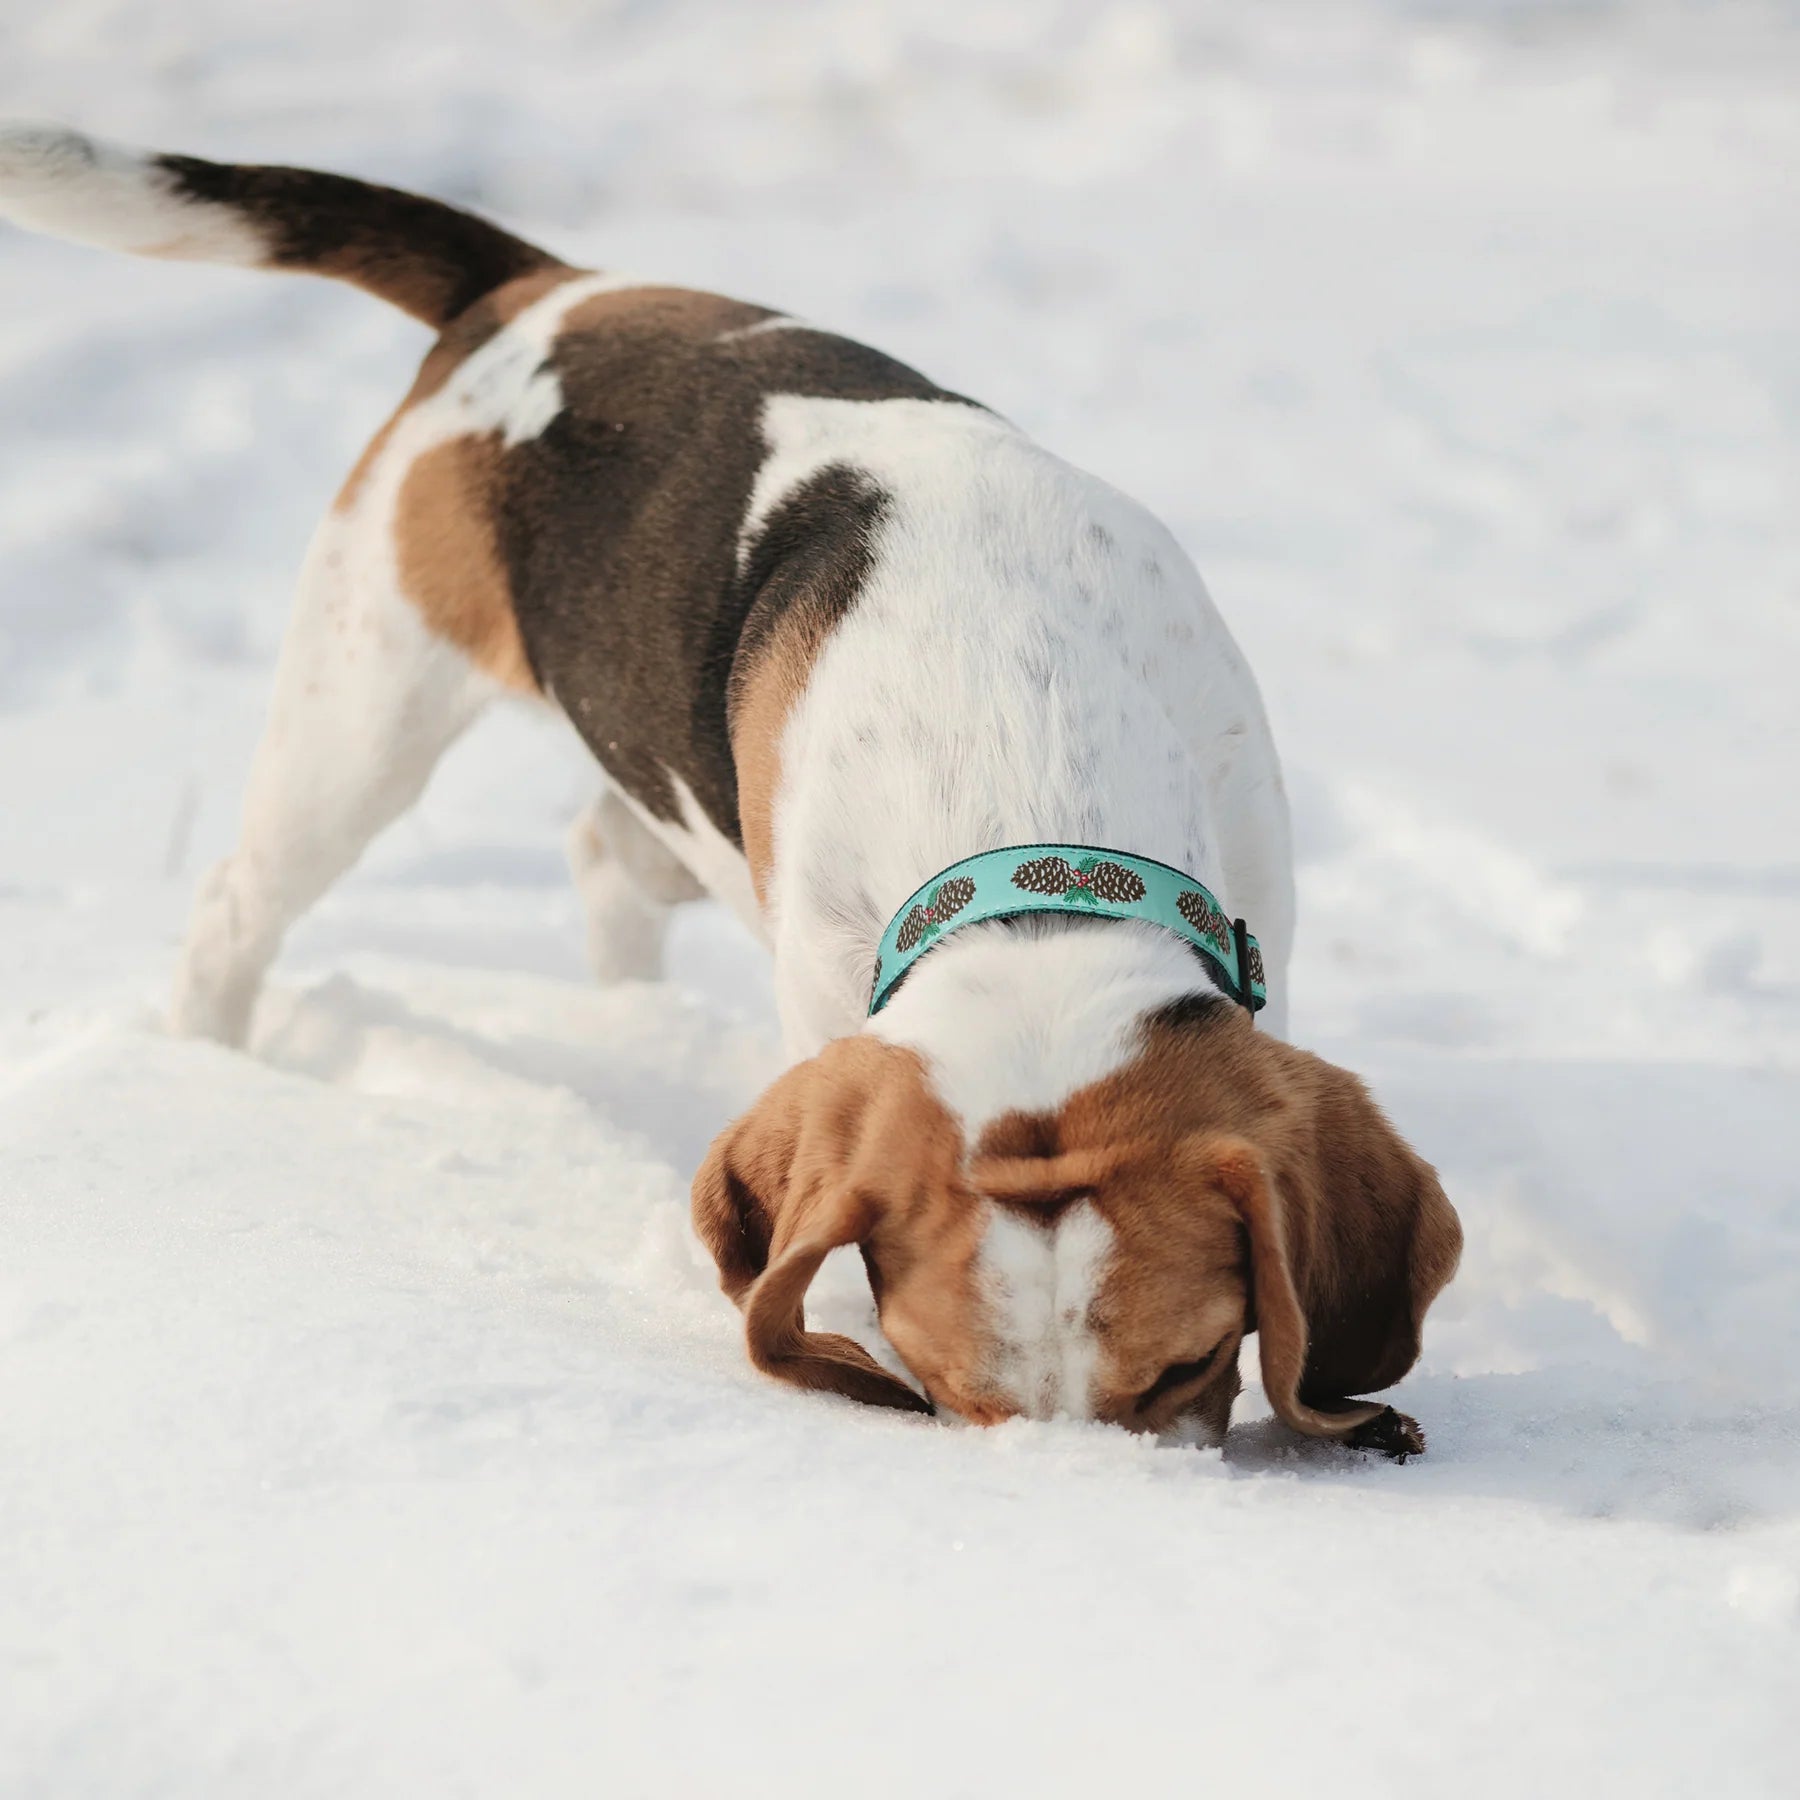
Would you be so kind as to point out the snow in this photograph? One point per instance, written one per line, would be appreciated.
(370, 1421)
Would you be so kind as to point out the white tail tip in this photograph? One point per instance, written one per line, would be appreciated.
(112, 195)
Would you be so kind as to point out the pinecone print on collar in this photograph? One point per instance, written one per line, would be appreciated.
(1204, 916)
(943, 902)
(1117, 884)
(1087, 882)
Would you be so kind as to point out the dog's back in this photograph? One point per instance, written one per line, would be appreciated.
(658, 508)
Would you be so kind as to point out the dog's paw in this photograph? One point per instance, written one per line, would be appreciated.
(1392, 1433)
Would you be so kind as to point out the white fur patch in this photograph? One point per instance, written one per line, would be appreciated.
(780, 322)
(503, 386)
(713, 859)
(1039, 1283)
(114, 196)
(366, 698)
(1009, 1022)
(533, 408)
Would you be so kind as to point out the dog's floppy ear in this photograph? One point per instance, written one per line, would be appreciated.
(817, 1163)
(1351, 1239)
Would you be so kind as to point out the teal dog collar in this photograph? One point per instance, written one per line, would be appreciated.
(1070, 878)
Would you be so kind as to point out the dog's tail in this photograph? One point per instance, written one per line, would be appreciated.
(427, 258)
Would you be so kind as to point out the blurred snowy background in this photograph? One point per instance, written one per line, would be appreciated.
(367, 1421)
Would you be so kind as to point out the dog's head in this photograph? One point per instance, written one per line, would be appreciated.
(1104, 1259)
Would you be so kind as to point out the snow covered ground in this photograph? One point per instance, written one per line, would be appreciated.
(369, 1422)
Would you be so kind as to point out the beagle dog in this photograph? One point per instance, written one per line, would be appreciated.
(830, 631)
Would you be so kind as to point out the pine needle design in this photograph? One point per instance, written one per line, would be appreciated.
(1086, 883)
(943, 902)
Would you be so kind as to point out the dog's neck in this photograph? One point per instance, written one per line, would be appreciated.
(1015, 1017)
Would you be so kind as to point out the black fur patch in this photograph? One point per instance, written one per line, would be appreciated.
(620, 529)
(1193, 1014)
(431, 259)
(813, 552)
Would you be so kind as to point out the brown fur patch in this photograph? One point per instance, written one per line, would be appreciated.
(923, 1266)
(766, 696)
(852, 1147)
(1020, 1134)
(1262, 1182)
(449, 555)
(676, 313)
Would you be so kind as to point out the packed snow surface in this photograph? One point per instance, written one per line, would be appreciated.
(370, 1423)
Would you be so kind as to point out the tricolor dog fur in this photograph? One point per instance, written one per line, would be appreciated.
(828, 629)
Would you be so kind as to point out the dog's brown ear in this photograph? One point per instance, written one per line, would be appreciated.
(1351, 1239)
(1277, 1313)
(816, 1164)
